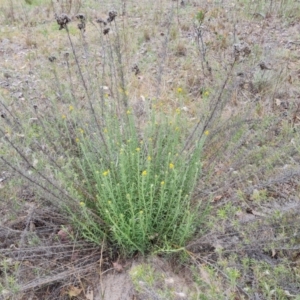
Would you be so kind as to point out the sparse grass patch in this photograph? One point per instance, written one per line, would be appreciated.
(8, 272)
(288, 10)
(151, 283)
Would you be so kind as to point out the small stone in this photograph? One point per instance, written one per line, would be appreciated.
(169, 281)
(181, 295)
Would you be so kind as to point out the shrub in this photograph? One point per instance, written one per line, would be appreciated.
(139, 183)
(119, 177)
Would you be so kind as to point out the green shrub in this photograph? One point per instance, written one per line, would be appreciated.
(121, 178)
(140, 182)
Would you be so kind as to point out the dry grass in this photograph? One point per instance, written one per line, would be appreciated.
(250, 246)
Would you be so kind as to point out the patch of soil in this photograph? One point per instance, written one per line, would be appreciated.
(115, 286)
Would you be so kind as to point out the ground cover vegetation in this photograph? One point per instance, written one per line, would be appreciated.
(158, 142)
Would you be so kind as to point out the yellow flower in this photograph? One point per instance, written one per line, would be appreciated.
(149, 158)
(162, 183)
(105, 173)
(82, 204)
(7, 132)
(123, 91)
(141, 212)
(128, 112)
(206, 132)
(81, 130)
(179, 90)
(71, 108)
(206, 93)
(138, 149)
(171, 166)
(144, 173)
(105, 130)
(178, 111)
(77, 140)
(63, 116)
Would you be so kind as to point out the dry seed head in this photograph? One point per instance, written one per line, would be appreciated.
(106, 31)
(52, 58)
(136, 69)
(111, 16)
(101, 21)
(81, 26)
(80, 17)
(62, 20)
